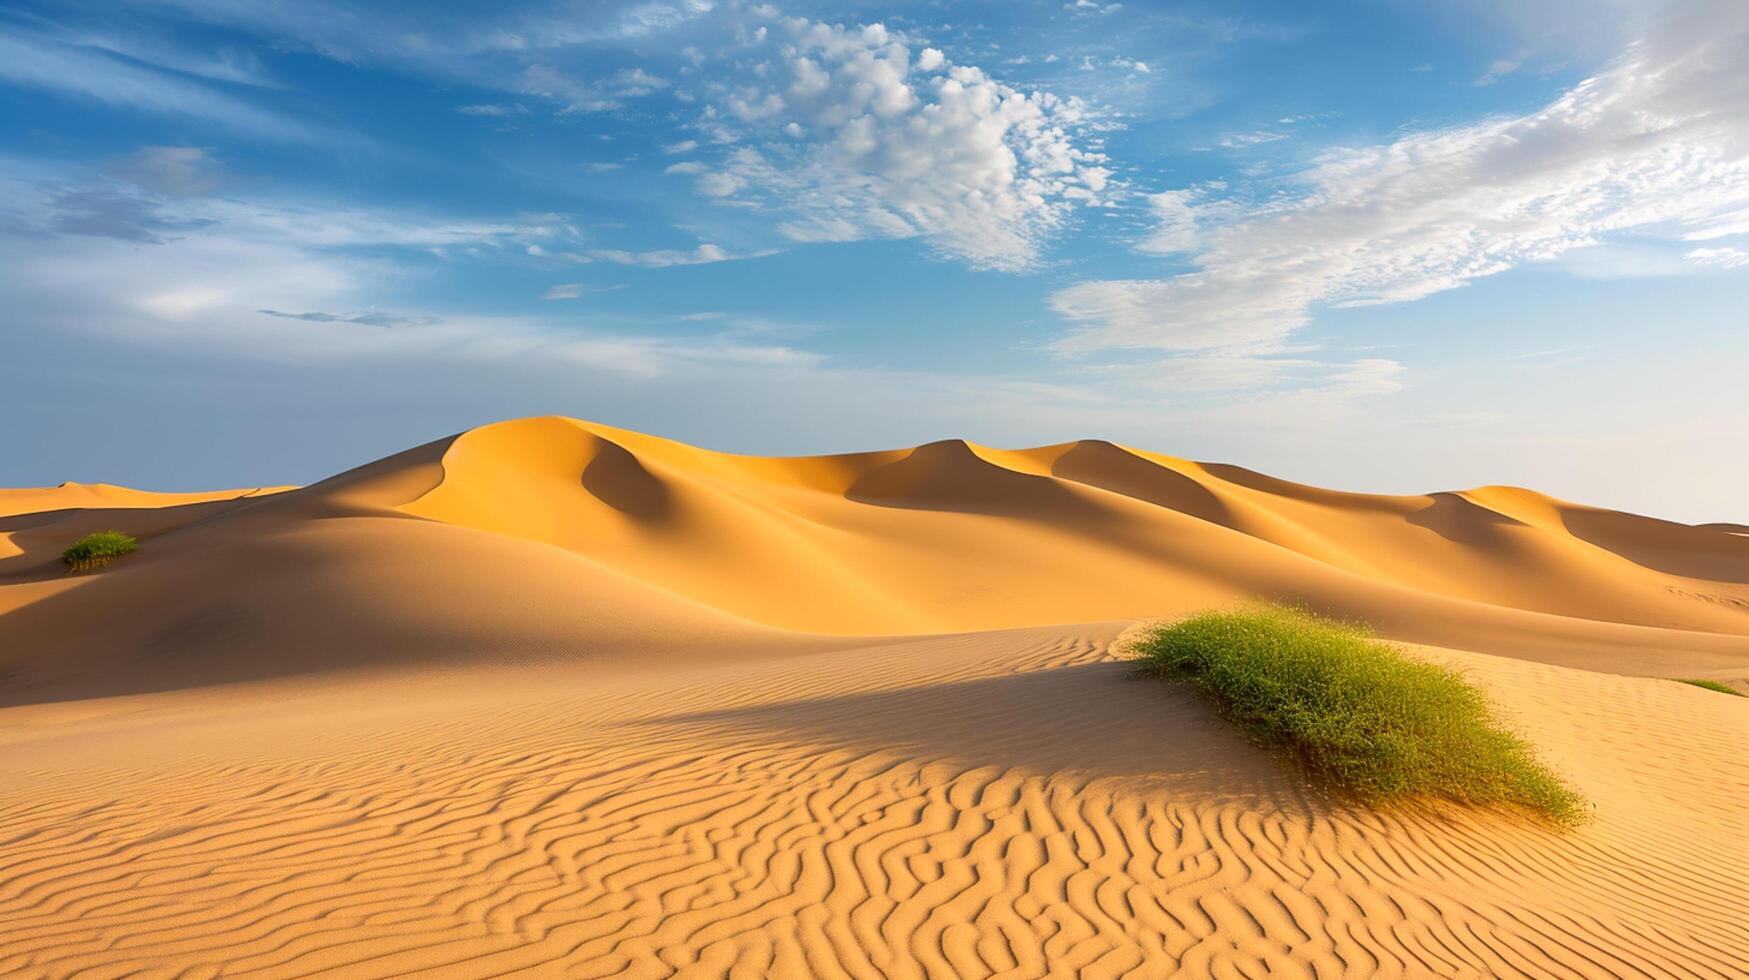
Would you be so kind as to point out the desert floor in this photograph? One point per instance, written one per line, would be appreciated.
(552, 698)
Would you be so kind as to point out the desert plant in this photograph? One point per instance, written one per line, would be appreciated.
(97, 549)
(1355, 711)
(1709, 685)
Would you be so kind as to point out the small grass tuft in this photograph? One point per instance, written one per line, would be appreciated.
(1709, 685)
(1355, 711)
(98, 549)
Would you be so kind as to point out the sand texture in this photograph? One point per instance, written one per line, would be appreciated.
(550, 698)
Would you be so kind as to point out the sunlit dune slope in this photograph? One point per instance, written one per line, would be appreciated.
(554, 537)
(954, 536)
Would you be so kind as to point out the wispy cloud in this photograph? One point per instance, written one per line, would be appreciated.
(575, 290)
(492, 109)
(371, 319)
(78, 72)
(664, 258)
(180, 171)
(112, 213)
(1501, 67)
(1719, 258)
(1658, 140)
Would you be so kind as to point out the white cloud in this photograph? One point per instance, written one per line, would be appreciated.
(238, 295)
(224, 64)
(492, 109)
(580, 95)
(881, 145)
(1242, 141)
(324, 226)
(1092, 7)
(1719, 258)
(637, 81)
(1658, 142)
(373, 318)
(82, 73)
(575, 290)
(719, 184)
(1175, 227)
(684, 146)
(663, 258)
(1501, 67)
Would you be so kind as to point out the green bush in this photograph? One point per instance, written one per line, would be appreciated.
(1356, 712)
(97, 549)
(1709, 685)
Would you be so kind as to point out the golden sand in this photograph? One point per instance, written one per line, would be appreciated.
(561, 699)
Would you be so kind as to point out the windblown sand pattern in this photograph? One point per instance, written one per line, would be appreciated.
(554, 699)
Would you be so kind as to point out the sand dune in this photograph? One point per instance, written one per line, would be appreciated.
(551, 696)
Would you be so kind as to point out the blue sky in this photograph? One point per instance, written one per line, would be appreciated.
(1378, 245)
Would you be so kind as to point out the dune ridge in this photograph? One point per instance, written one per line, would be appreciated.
(1149, 524)
(557, 698)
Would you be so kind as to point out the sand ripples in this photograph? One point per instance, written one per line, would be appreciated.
(1003, 804)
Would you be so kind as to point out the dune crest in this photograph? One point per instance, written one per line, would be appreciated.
(952, 535)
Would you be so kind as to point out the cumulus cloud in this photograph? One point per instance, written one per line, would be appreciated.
(858, 138)
(1657, 142)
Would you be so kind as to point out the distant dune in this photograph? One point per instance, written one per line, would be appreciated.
(552, 694)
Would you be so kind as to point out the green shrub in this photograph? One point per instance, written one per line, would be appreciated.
(1709, 685)
(1356, 712)
(97, 549)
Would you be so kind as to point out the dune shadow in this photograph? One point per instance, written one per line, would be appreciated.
(618, 479)
(1713, 552)
(1093, 721)
(1462, 521)
(1117, 470)
(949, 476)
